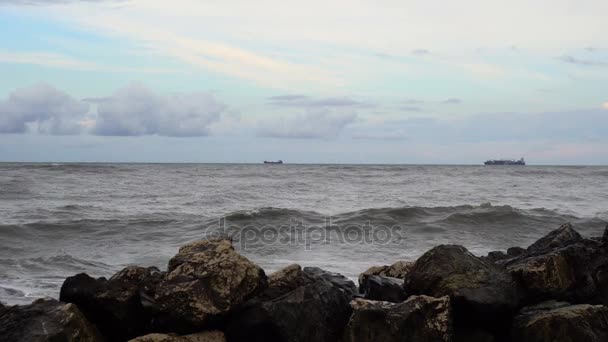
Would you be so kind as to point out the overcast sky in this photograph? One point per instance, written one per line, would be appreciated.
(312, 81)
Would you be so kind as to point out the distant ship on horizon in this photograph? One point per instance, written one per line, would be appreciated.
(273, 162)
(505, 162)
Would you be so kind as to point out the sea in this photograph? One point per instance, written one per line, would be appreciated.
(57, 220)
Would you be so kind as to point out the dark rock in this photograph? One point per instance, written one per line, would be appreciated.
(388, 289)
(481, 293)
(207, 279)
(2, 308)
(307, 307)
(335, 278)
(399, 270)
(495, 256)
(285, 281)
(515, 251)
(419, 318)
(46, 320)
(605, 236)
(474, 336)
(119, 306)
(207, 336)
(561, 322)
(563, 236)
(567, 268)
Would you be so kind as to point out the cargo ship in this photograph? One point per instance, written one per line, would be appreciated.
(505, 162)
(273, 162)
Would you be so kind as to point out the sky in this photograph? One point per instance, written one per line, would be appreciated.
(400, 82)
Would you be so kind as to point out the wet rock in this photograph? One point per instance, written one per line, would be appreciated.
(419, 318)
(46, 320)
(567, 268)
(381, 288)
(495, 256)
(515, 251)
(284, 281)
(335, 278)
(561, 322)
(481, 292)
(399, 270)
(208, 336)
(561, 237)
(298, 306)
(119, 307)
(207, 279)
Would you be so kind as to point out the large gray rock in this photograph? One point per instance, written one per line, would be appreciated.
(207, 336)
(205, 280)
(419, 318)
(561, 237)
(481, 293)
(561, 322)
(399, 270)
(297, 306)
(335, 278)
(562, 266)
(119, 307)
(46, 320)
(381, 288)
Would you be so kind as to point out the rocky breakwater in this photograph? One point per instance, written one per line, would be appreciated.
(554, 290)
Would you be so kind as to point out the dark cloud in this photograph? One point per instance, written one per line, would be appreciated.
(317, 123)
(583, 62)
(308, 102)
(43, 109)
(452, 100)
(136, 110)
(420, 52)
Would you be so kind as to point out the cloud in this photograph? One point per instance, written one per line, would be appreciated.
(420, 52)
(318, 123)
(308, 102)
(43, 109)
(65, 62)
(135, 110)
(452, 100)
(605, 105)
(412, 109)
(583, 62)
(49, 2)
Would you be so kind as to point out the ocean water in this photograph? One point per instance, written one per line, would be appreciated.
(57, 220)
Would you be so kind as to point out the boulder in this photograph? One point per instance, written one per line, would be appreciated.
(284, 281)
(563, 266)
(495, 256)
(515, 251)
(335, 278)
(205, 280)
(605, 236)
(207, 336)
(399, 270)
(119, 307)
(381, 288)
(563, 236)
(297, 306)
(419, 318)
(481, 293)
(46, 320)
(561, 322)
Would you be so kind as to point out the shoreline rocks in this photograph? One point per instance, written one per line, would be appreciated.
(554, 290)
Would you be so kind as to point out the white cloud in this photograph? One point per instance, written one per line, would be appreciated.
(317, 123)
(43, 109)
(605, 105)
(136, 110)
(65, 62)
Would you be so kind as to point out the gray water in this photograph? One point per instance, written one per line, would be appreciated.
(57, 220)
